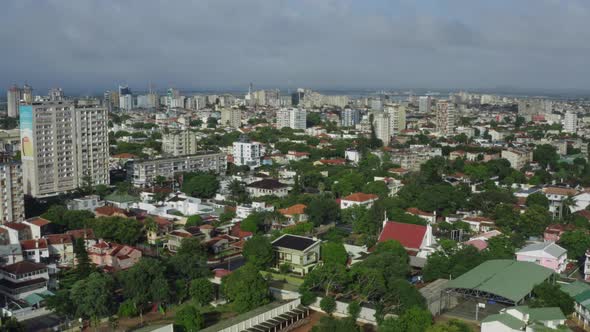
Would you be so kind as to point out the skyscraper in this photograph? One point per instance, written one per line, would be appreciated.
(11, 194)
(381, 124)
(424, 104)
(570, 122)
(63, 146)
(445, 117)
(13, 99)
(125, 98)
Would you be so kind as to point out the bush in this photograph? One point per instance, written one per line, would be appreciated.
(328, 305)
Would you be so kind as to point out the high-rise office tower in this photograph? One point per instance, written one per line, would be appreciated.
(12, 207)
(382, 126)
(445, 117)
(63, 147)
(424, 104)
(13, 99)
(231, 117)
(570, 122)
(295, 118)
(350, 117)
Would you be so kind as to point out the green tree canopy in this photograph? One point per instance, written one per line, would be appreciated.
(551, 295)
(202, 185)
(92, 297)
(245, 288)
(258, 251)
(201, 291)
(189, 318)
(333, 252)
(323, 210)
(576, 242)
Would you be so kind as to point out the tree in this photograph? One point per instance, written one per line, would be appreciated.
(534, 221)
(323, 210)
(334, 253)
(245, 288)
(83, 267)
(331, 324)
(378, 188)
(189, 319)
(354, 309)
(145, 282)
(551, 295)
(194, 220)
(576, 242)
(328, 305)
(190, 261)
(258, 251)
(201, 291)
(92, 297)
(329, 278)
(11, 324)
(118, 229)
(238, 192)
(414, 320)
(546, 155)
(537, 199)
(452, 325)
(202, 185)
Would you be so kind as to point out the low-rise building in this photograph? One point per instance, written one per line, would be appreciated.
(22, 279)
(546, 254)
(524, 318)
(295, 213)
(300, 253)
(113, 257)
(518, 158)
(267, 187)
(358, 199)
(87, 203)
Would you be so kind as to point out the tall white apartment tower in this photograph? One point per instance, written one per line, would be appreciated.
(63, 147)
(231, 117)
(570, 122)
(381, 123)
(445, 117)
(295, 118)
(247, 153)
(424, 104)
(397, 118)
(12, 206)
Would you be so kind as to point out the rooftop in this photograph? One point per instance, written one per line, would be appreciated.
(294, 242)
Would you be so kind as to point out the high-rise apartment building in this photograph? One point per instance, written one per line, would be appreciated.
(350, 117)
(56, 94)
(382, 126)
(295, 118)
(12, 207)
(63, 146)
(13, 99)
(180, 144)
(397, 118)
(445, 117)
(27, 94)
(125, 98)
(247, 153)
(231, 117)
(570, 122)
(424, 104)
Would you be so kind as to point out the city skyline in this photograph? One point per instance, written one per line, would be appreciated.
(89, 46)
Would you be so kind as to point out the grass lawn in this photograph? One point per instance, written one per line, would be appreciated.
(292, 280)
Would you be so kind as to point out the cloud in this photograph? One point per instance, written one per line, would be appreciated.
(89, 45)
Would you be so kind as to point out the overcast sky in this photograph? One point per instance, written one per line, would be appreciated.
(87, 46)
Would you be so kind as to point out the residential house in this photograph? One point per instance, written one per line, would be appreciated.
(557, 196)
(297, 156)
(61, 249)
(35, 250)
(479, 224)
(426, 216)
(17, 231)
(546, 254)
(480, 242)
(554, 232)
(86, 234)
(295, 213)
(358, 199)
(113, 257)
(582, 200)
(524, 318)
(416, 239)
(110, 211)
(580, 292)
(299, 252)
(587, 267)
(22, 279)
(267, 187)
(87, 203)
(244, 210)
(39, 226)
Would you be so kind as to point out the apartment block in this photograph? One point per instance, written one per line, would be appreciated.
(180, 144)
(62, 147)
(231, 117)
(295, 118)
(12, 207)
(142, 173)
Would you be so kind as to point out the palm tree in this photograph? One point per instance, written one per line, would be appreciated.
(566, 203)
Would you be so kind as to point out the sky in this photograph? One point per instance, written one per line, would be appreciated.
(86, 46)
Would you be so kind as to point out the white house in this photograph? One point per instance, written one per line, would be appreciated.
(267, 187)
(244, 210)
(22, 279)
(523, 318)
(356, 199)
(88, 203)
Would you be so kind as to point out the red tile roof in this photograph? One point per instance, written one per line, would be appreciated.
(17, 226)
(124, 156)
(360, 197)
(293, 210)
(58, 238)
(38, 221)
(416, 211)
(33, 244)
(108, 210)
(87, 233)
(584, 213)
(409, 235)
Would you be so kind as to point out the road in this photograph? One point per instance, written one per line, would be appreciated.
(229, 264)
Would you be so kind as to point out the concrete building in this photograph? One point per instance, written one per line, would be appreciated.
(424, 104)
(546, 254)
(247, 153)
(180, 143)
(445, 117)
(350, 117)
(142, 173)
(382, 125)
(57, 94)
(125, 98)
(301, 253)
(13, 100)
(294, 118)
(27, 94)
(397, 118)
(570, 122)
(231, 117)
(63, 146)
(518, 158)
(12, 206)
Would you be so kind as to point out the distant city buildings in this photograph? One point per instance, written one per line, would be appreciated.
(13, 100)
(294, 118)
(125, 98)
(570, 122)
(63, 146)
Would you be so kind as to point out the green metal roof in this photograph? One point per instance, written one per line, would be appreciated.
(575, 288)
(121, 198)
(245, 316)
(506, 319)
(545, 314)
(509, 279)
